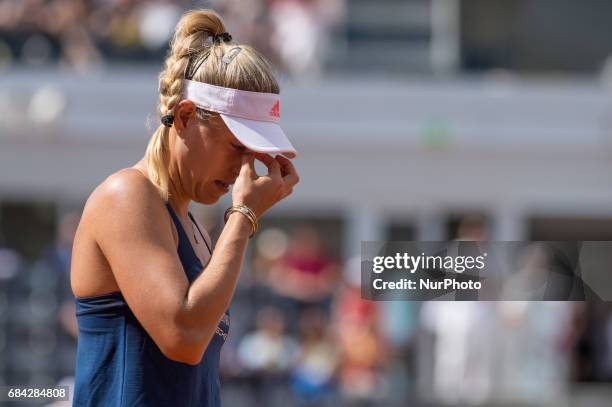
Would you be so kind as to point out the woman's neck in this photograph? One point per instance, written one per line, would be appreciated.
(178, 203)
(176, 199)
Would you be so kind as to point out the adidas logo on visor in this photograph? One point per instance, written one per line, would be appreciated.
(275, 111)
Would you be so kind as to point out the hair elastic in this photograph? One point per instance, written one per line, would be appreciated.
(222, 37)
(167, 120)
(217, 38)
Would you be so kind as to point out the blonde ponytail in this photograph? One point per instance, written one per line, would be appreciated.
(194, 54)
(157, 160)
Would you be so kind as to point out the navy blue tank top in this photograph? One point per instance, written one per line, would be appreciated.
(118, 364)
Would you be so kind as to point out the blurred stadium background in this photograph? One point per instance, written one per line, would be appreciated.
(414, 119)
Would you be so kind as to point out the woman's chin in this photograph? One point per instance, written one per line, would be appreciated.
(208, 195)
(208, 200)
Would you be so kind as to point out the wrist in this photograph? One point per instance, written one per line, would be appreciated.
(244, 225)
(246, 213)
(255, 212)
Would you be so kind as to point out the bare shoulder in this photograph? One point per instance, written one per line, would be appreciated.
(127, 198)
(127, 187)
(124, 208)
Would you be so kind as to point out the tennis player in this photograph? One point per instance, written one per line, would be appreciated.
(152, 296)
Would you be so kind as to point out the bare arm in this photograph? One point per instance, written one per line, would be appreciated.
(133, 229)
(211, 293)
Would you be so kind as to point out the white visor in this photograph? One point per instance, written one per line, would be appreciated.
(253, 117)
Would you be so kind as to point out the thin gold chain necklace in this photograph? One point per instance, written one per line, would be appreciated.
(193, 230)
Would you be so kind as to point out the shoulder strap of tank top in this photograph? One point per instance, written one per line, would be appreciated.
(203, 238)
(174, 217)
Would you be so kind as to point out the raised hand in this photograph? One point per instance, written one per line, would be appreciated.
(260, 193)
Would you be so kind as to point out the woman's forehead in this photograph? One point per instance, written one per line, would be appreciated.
(217, 124)
(227, 133)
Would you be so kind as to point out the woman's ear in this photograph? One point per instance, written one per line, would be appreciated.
(184, 112)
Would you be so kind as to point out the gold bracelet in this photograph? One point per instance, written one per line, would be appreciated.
(246, 211)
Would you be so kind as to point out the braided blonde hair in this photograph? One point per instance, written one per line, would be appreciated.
(195, 55)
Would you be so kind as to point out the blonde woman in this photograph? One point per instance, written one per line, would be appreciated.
(152, 297)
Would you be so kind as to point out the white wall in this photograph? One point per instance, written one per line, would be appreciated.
(386, 149)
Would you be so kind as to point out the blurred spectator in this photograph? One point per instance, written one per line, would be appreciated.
(395, 326)
(249, 23)
(460, 339)
(530, 280)
(267, 354)
(38, 31)
(534, 371)
(312, 379)
(473, 228)
(301, 30)
(306, 274)
(270, 247)
(156, 22)
(362, 349)
(296, 36)
(480, 355)
(83, 34)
